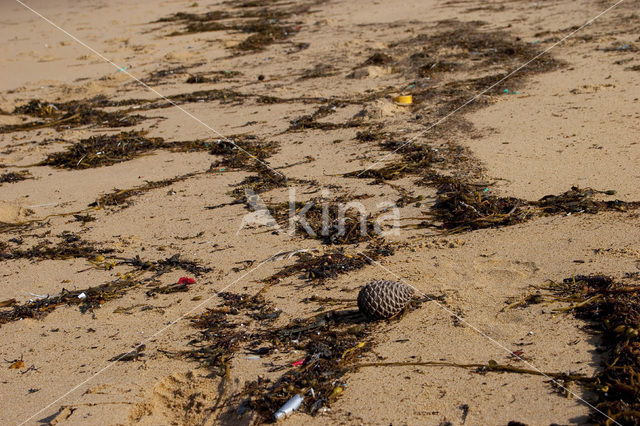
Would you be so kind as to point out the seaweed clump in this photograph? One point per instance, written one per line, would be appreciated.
(263, 33)
(416, 159)
(87, 299)
(464, 206)
(94, 297)
(320, 70)
(212, 77)
(220, 337)
(331, 344)
(71, 247)
(12, 177)
(242, 151)
(69, 115)
(580, 200)
(106, 150)
(330, 222)
(121, 197)
(613, 311)
(318, 268)
(310, 121)
(265, 26)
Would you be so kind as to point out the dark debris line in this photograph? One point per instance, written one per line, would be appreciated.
(611, 308)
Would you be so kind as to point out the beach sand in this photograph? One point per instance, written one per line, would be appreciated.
(311, 95)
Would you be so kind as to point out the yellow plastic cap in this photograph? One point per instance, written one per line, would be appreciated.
(404, 100)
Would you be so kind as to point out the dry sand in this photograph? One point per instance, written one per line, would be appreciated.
(573, 121)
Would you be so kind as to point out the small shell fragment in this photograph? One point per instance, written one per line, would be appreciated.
(381, 299)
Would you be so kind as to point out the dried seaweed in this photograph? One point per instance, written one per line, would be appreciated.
(417, 159)
(612, 308)
(464, 41)
(318, 268)
(157, 77)
(176, 262)
(464, 206)
(212, 77)
(319, 71)
(326, 220)
(122, 197)
(490, 366)
(378, 59)
(106, 150)
(87, 299)
(220, 337)
(310, 121)
(265, 26)
(243, 152)
(68, 115)
(94, 297)
(263, 33)
(70, 247)
(581, 200)
(266, 180)
(12, 177)
(330, 344)
(240, 154)
(486, 56)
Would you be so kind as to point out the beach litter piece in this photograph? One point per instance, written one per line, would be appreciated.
(16, 365)
(289, 407)
(382, 299)
(8, 303)
(404, 100)
(337, 391)
(186, 280)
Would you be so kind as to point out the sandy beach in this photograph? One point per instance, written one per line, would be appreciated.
(192, 195)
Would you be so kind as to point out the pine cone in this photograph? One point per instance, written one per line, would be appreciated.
(382, 299)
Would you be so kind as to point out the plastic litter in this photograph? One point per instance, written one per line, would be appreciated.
(82, 296)
(336, 392)
(289, 407)
(404, 99)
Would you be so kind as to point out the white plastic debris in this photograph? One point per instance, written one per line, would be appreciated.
(82, 296)
(289, 407)
(38, 296)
